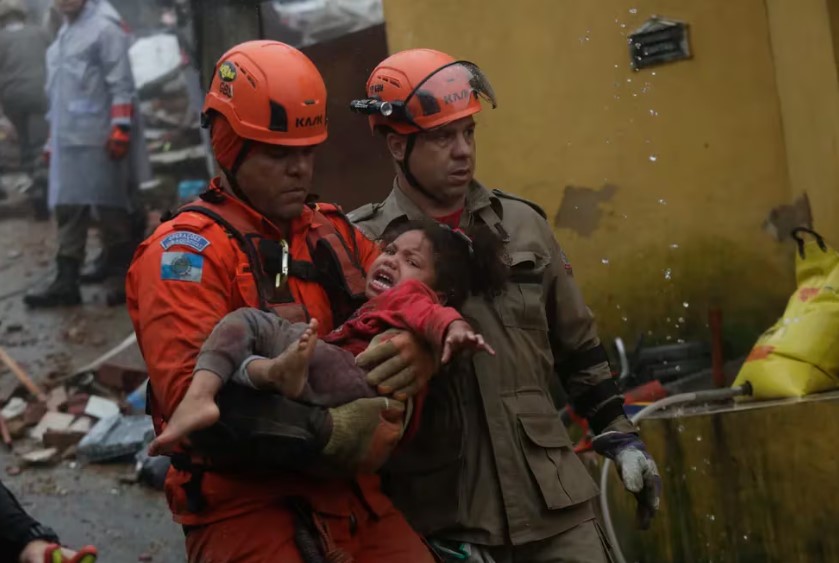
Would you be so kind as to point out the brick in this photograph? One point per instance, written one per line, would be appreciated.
(77, 403)
(124, 372)
(34, 413)
(14, 408)
(62, 439)
(52, 421)
(57, 399)
(99, 407)
(46, 456)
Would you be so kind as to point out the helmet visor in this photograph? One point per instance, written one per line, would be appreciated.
(449, 90)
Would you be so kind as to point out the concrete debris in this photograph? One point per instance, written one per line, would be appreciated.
(57, 399)
(124, 372)
(52, 421)
(100, 408)
(82, 424)
(34, 413)
(62, 439)
(116, 437)
(14, 408)
(77, 403)
(45, 456)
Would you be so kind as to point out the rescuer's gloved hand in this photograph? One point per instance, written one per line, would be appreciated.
(636, 469)
(400, 364)
(364, 433)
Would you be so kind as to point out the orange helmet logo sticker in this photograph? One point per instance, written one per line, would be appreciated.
(227, 71)
(308, 121)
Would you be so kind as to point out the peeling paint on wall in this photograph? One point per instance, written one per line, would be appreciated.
(580, 208)
(784, 218)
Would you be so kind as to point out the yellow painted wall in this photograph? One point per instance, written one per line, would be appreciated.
(804, 37)
(695, 149)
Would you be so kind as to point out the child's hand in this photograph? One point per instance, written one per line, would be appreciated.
(460, 336)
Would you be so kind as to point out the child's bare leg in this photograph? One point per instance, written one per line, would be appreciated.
(288, 372)
(197, 410)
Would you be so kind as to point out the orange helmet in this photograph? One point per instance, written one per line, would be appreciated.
(420, 89)
(269, 92)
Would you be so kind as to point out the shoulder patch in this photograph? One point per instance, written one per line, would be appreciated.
(181, 266)
(185, 238)
(534, 206)
(364, 213)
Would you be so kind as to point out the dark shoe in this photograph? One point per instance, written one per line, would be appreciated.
(96, 272)
(63, 291)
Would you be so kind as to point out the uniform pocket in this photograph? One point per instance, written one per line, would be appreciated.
(522, 304)
(557, 470)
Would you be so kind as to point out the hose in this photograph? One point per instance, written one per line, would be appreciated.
(713, 395)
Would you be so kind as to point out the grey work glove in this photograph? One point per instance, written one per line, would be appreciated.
(636, 469)
(364, 433)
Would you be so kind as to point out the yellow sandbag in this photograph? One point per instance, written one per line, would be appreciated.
(799, 355)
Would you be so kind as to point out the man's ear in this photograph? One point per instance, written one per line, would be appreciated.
(396, 145)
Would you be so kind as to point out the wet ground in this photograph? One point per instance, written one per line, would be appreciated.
(85, 504)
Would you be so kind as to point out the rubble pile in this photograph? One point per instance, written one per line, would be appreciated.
(170, 104)
(95, 415)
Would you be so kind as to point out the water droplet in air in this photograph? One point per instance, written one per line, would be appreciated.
(680, 428)
(604, 261)
(662, 202)
(625, 319)
(681, 319)
(653, 158)
(653, 112)
(633, 11)
(685, 304)
(699, 438)
(667, 273)
(674, 246)
(745, 537)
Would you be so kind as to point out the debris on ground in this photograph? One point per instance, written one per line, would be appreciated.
(117, 437)
(46, 456)
(100, 408)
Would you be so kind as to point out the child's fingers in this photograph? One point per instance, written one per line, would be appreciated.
(447, 351)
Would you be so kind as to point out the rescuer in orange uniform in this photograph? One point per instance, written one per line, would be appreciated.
(254, 241)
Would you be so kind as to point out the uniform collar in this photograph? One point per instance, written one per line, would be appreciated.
(399, 206)
(266, 228)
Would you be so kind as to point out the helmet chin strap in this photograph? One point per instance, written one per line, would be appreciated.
(231, 174)
(406, 171)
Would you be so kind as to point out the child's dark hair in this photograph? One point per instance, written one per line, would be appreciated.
(466, 262)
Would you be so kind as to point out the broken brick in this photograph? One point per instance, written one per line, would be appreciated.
(82, 424)
(34, 413)
(99, 407)
(52, 421)
(14, 408)
(57, 399)
(124, 372)
(41, 457)
(62, 439)
(77, 403)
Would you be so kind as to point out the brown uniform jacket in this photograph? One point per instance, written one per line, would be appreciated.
(492, 462)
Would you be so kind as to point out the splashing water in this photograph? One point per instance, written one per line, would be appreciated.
(699, 438)
(604, 261)
(653, 158)
(674, 246)
(653, 113)
(633, 11)
(685, 304)
(668, 273)
(662, 202)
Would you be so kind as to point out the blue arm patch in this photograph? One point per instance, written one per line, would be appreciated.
(181, 266)
(185, 238)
